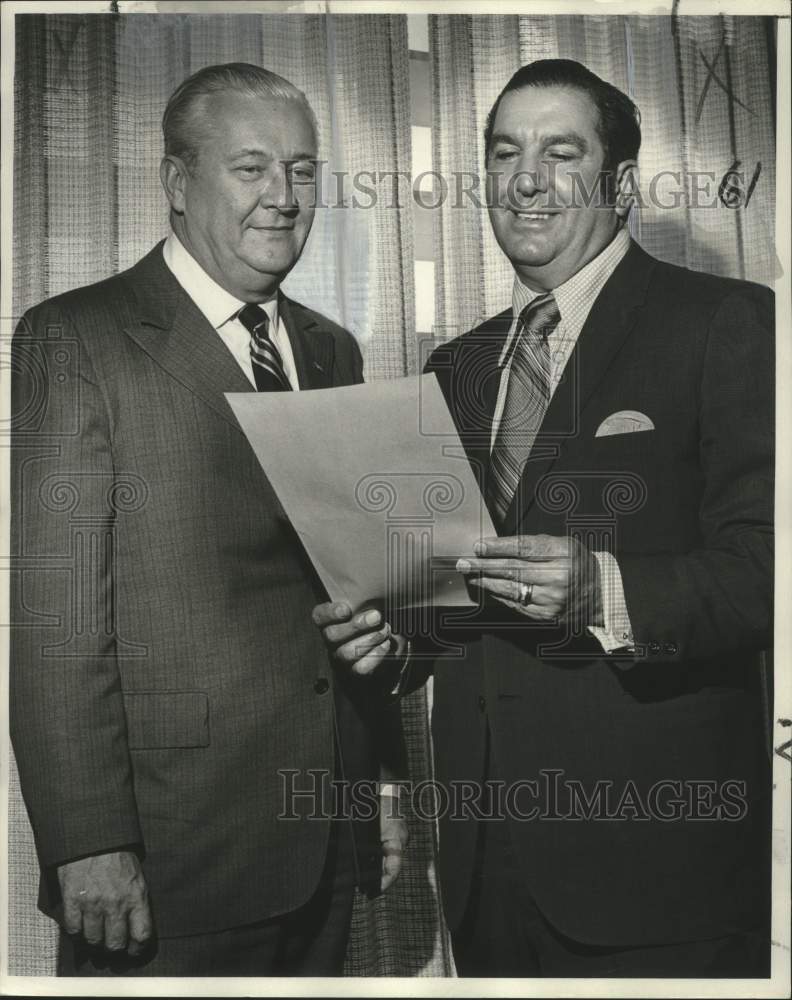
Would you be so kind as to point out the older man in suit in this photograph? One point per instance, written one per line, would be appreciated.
(165, 679)
(609, 699)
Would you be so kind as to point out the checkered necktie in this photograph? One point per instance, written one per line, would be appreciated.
(527, 398)
(267, 363)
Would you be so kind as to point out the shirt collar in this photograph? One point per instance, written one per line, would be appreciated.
(578, 293)
(217, 305)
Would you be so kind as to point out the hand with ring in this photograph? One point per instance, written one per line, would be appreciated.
(526, 594)
(542, 577)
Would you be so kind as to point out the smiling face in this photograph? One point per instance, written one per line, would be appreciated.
(544, 161)
(245, 209)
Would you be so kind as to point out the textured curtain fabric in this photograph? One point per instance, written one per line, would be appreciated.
(705, 87)
(89, 95)
(90, 91)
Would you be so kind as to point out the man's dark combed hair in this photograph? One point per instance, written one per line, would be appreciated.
(619, 123)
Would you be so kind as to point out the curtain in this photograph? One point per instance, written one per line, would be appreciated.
(90, 91)
(89, 94)
(705, 87)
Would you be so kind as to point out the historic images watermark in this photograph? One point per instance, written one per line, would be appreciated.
(550, 796)
(730, 187)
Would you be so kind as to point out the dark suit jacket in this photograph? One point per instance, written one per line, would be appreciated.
(164, 662)
(687, 509)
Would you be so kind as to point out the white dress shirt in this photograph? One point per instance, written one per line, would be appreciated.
(221, 308)
(574, 298)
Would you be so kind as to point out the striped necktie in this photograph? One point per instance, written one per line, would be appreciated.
(268, 369)
(527, 398)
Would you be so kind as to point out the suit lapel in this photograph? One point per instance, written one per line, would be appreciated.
(469, 375)
(610, 321)
(313, 348)
(173, 332)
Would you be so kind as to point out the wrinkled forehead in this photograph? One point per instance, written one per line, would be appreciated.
(283, 126)
(536, 111)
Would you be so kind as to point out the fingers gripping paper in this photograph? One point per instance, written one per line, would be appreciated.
(376, 483)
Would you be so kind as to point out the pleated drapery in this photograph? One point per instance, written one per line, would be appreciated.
(90, 91)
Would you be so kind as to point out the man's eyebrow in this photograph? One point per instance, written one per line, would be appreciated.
(566, 139)
(503, 137)
(255, 151)
(251, 151)
(556, 139)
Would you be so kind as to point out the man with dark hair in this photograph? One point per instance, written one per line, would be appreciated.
(609, 700)
(166, 685)
(618, 123)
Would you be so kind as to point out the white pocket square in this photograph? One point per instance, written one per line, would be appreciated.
(624, 422)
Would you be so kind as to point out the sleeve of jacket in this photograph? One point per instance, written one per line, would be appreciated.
(718, 598)
(66, 709)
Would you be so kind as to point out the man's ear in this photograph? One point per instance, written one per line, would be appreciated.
(174, 176)
(627, 190)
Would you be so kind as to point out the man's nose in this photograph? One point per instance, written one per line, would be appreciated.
(278, 190)
(531, 177)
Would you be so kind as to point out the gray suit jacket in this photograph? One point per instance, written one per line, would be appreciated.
(164, 663)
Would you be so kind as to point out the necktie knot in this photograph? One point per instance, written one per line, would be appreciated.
(254, 318)
(268, 370)
(541, 316)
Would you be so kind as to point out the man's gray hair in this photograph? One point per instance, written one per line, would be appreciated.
(180, 125)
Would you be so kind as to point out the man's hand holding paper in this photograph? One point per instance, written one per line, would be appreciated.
(543, 577)
(361, 641)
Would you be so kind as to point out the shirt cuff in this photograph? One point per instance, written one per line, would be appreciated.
(616, 633)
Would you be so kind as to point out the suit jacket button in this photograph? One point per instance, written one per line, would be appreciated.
(654, 647)
(482, 703)
(322, 685)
